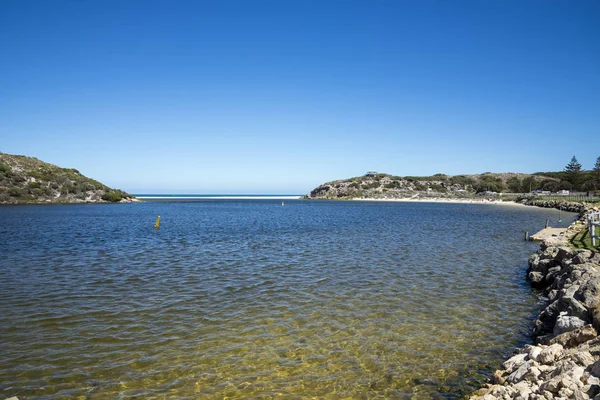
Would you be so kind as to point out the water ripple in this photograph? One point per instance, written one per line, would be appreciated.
(248, 299)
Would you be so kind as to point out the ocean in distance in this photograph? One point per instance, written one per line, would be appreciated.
(248, 299)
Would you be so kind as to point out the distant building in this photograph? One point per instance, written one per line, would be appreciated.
(371, 173)
(563, 192)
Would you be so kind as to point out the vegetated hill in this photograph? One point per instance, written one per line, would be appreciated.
(384, 186)
(26, 180)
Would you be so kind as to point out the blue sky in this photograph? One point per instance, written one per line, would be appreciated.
(280, 96)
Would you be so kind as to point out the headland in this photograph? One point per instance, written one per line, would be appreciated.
(27, 180)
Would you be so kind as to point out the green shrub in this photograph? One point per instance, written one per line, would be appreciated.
(438, 188)
(5, 168)
(372, 185)
(462, 180)
(112, 196)
(16, 192)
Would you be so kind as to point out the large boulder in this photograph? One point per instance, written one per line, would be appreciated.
(589, 293)
(574, 338)
(551, 353)
(567, 323)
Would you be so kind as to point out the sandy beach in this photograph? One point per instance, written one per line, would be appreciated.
(446, 200)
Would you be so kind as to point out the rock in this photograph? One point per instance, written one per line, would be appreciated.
(536, 279)
(534, 353)
(595, 314)
(552, 274)
(546, 320)
(548, 395)
(544, 265)
(595, 369)
(573, 308)
(523, 391)
(574, 338)
(553, 385)
(563, 253)
(566, 323)
(514, 362)
(575, 375)
(584, 358)
(593, 391)
(589, 292)
(523, 372)
(497, 391)
(500, 377)
(582, 256)
(551, 353)
(592, 380)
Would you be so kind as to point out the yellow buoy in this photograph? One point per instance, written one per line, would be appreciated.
(282, 204)
(157, 223)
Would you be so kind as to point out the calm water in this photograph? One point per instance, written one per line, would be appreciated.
(249, 299)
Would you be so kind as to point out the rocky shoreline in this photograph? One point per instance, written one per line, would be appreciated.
(580, 208)
(564, 361)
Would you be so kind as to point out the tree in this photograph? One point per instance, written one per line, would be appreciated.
(529, 184)
(597, 169)
(550, 185)
(514, 184)
(573, 170)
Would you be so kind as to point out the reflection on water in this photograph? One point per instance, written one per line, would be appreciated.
(248, 299)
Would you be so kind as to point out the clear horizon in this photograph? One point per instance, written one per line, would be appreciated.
(266, 97)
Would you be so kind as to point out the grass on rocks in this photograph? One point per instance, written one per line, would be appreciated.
(583, 240)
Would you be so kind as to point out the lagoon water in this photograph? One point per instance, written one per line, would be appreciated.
(249, 299)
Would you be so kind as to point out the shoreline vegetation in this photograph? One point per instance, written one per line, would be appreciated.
(27, 180)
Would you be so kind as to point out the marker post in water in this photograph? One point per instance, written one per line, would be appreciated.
(157, 223)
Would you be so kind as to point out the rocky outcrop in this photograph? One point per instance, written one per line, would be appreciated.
(384, 186)
(564, 361)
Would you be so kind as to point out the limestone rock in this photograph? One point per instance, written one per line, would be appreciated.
(523, 372)
(514, 362)
(574, 308)
(566, 323)
(534, 353)
(584, 358)
(551, 354)
(576, 337)
(589, 292)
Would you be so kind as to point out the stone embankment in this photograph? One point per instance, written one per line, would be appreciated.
(579, 208)
(564, 361)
